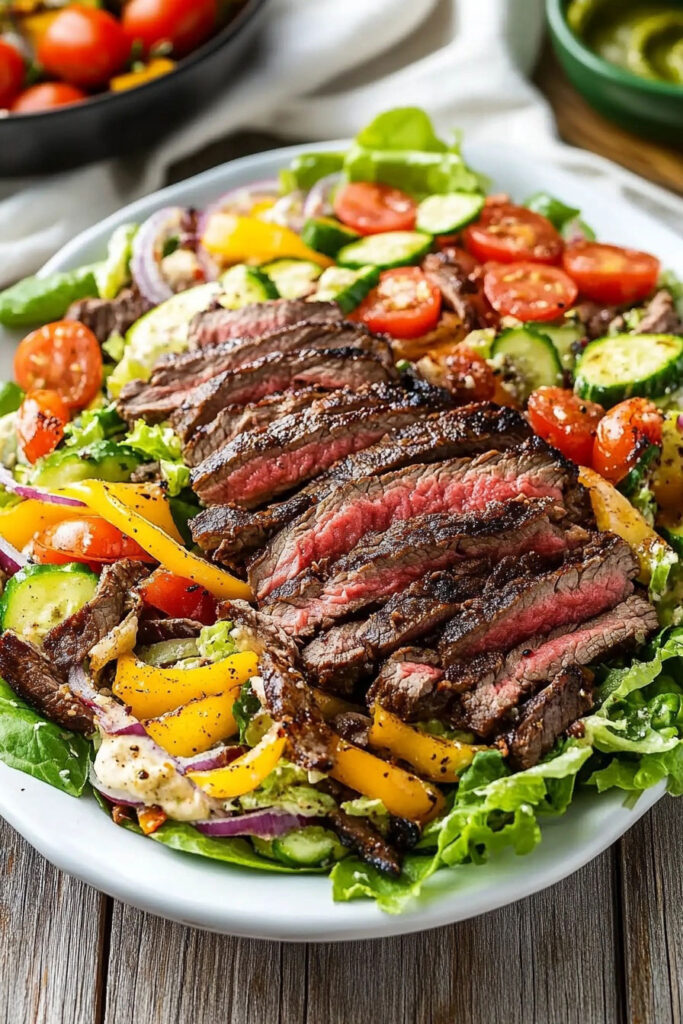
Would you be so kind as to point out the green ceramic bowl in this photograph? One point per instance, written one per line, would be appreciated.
(646, 107)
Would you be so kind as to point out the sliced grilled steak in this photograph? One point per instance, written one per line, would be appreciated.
(386, 563)
(409, 685)
(331, 369)
(39, 682)
(358, 835)
(661, 316)
(72, 640)
(496, 683)
(154, 631)
(336, 524)
(257, 466)
(589, 582)
(451, 434)
(216, 326)
(353, 726)
(105, 317)
(596, 320)
(451, 272)
(237, 419)
(344, 654)
(544, 718)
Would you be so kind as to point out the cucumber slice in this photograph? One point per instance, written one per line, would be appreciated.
(346, 287)
(292, 278)
(532, 355)
(390, 249)
(114, 273)
(39, 597)
(441, 215)
(634, 480)
(103, 460)
(564, 339)
(614, 368)
(305, 847)
(242, 284)
(327, 236)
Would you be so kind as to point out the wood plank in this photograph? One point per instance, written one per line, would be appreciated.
(51, 936)
(652, 896)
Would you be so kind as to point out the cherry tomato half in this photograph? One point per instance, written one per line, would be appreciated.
(40, 423)
(12, 70)
(371, 208)
(84, 46)
(47, 96)
(404, 304)
(182, 23)
(64, 356)
(178, 597)
(565, 421)
(466, 374)
(608, 273)
(623, 435)
(506, 233)
(89, 539)
(529, 291)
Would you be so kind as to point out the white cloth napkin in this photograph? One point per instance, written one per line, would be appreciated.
(323, 69)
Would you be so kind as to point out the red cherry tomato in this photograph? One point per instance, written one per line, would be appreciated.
(89, 539)
(506, 233)
(178, 597)
(529, 291)
(371, 208)
(40, 423)
(610, 274)
(63, 356)
(404, 304)
(623, 435)
(466, 374)
(565, 421)
(47, 96)
(12, 71)
(182, 23)
(84, 46)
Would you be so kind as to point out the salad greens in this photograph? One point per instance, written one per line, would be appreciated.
(159, 443)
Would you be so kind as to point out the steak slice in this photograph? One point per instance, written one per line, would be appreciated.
(72, 640)
(496, 683)
(589, 582)
(337, 659)
(336, 524)
(447, 272)
(544, 718)
(358, 835)
(156, 630)
(409, 685)
(386, 563)
(331, 369)
(39, 682)
(215, 326)
(661, 315)
(261, 464)
(105, 317)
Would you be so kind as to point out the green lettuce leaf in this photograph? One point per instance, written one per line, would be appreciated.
(39, 748)
(161, 444)
(566, 219)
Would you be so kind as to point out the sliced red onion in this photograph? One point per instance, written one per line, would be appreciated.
(11, 560)
(148, 247)
(239, 200)
(267, 824)
(115, 796)
(216, 758)
(36, 493)
(287, 211)
(318, 202)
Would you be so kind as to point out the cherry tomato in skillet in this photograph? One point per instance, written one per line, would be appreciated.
(12, 70)
(529, 291)
(178, 597)
(370, 208)
(47, 96)
(623, 435)
(506, 233)
(404, 304)
(182, 23)
(565, 421)
(608, 273)
(84, 46)
(40, 423)
(63, 356)
(90, 540)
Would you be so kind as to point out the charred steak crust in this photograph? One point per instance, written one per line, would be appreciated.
(105, 317)
(218, 325)
(408, 685)
(156, 630)
(544, 718)
(39, 682)
(358, 835)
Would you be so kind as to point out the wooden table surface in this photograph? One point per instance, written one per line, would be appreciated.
(603, 947)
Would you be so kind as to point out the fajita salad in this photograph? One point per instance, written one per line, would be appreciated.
(341, 521)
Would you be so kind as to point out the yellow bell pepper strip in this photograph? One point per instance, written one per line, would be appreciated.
(20, 523)
(249, 239)
(149, 691)
(330, 706)
(402, 793)
(616, 513)
(432, 756)
(196, 727)
(155, 69)
(138, 516)
(246, 772)
(149, 501)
